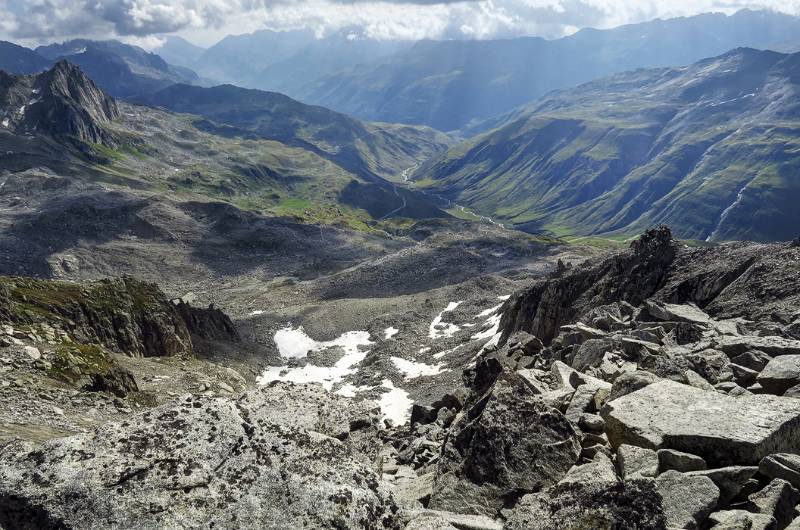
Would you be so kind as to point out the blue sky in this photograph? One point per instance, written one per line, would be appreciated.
(205, 21)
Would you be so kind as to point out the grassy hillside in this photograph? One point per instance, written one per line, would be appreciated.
(711, 149)
(367, 149)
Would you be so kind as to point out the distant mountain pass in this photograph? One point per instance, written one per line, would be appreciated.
(712, 149)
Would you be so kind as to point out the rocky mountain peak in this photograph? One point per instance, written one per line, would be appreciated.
(62, 101)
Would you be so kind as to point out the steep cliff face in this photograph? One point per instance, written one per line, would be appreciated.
(123, 315)
(59, 102)
(209, 323)
(631, 276)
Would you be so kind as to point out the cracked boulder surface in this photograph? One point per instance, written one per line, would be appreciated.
(206, 462)
(506, 444)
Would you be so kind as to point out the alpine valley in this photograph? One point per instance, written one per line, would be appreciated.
(306, 280)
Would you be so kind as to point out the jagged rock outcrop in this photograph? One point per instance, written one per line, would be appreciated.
(59, 102)
(723, 281)
(209, 323)
(631, 276)
(124, 315)
(204, 462)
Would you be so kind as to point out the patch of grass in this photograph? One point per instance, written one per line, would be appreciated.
(73, 361)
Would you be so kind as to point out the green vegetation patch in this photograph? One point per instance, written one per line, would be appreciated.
(74, 361)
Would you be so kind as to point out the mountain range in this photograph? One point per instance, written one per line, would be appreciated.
(364, 148)
(282, 61)
(122, 70)
(453, 85)
(711, 149)
(254, 150)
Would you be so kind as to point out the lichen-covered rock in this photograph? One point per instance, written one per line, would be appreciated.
(508, 443)
(201, 462)
(637, 462)
(634, 505)
(687, 500)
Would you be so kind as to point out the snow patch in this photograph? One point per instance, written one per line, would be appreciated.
(440, 330)
(350, 390)
(5, 123)
(295, 344)
(395, 404)
(425, 349)
(490, 311)
(390, 332)
(727, 211)
(504, 297)
(446, 352)
(412, 369)
(494, 341)
(494, 327)
(256, 313)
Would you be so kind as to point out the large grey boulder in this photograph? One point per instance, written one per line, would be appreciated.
(677, 312)
(591, 353)
(780, 374)
(785, 466)
(634, 505)
(771, 345)
(601, 470)
(723, 430)
(753, 359)
(730, 480)
(687, 500)
(669, 459)
(778, 500)
(203, 462)
(637, 462)
(741, 520)
(508, 443)
(631, 382)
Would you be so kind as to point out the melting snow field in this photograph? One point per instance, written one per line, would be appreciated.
(440, 330)
(412, 369)
(395, 404)
(294, 343)
(490, 311)
(491, 331)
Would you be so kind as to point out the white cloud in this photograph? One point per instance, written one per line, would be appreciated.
(399, 19)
